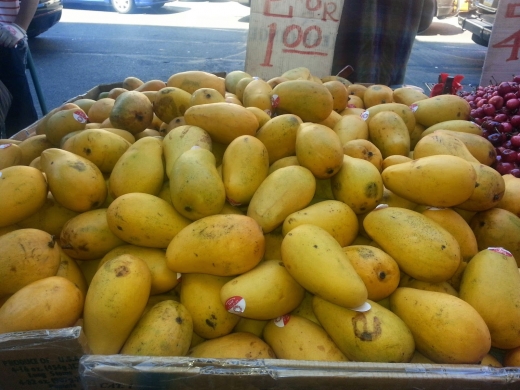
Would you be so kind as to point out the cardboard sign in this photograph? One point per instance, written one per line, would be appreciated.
(287, 34)
(503, 55)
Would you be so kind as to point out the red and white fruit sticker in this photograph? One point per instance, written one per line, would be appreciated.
(80, 116)
(235, 304)
(275, 101)
(282, 321)
(414, 107)
(5, 146)
(364, 115)
(500, 250)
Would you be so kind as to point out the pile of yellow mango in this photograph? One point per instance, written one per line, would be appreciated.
(234, 217)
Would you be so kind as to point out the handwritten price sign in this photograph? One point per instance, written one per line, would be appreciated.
(286, 34)
(503, 55)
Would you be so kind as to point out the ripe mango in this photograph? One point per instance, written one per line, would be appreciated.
(422, 248)
(446, 329)
(241, 345)
(192, 80)
(440, 108)
(170, 103)
(297, 338)
(310, 101)
(315, 259)
(222, 245)
(132, 111)
(267, 291)
(279, 136)
(376, 335)
(388, 132)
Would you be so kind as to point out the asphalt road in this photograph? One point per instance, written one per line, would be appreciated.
(92, 46)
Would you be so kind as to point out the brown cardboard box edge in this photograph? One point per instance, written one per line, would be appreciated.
(43, 359)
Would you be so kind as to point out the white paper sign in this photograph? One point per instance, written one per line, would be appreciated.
(287, 34)
(502, 58)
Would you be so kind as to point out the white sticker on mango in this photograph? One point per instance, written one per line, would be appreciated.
(500, 250)
(364, 307)
(235, 304)
(80, 116)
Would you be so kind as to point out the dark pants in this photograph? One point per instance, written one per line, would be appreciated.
(22, 112)
(376, 37)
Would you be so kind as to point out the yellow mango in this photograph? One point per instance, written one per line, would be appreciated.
(422, 248)
(49, 303)
(497, 228)
(394, 159)
(402, 110)
(123, 133)
(311, 101)
(284, 162)
(10, 155)
(407, 95)
(339, 94)
(279, 136)
(245, 165)
(351, 127)
(378, 270)
(32, 147)
(114, 303)
(222, 245)
(442, 143)
(23, 191)
(453, 222)
(358, 184)
(283, 192)
(170, 103)
(139, 169)
(391, 199)
(366, 150)
(75, 182)
(489, 189)
(456, 125)
(196, 188)
(376, 335)
(232, 78)
(297, 338)
(152, 85)
(479, 147)
(241, 345)
(192, 80)
(223, 121)
(319, 149)
(241, 85)
(298, 73)
(440, 108)
(132, 111)
(511, 199)
(491, 284)
(262, 116)
(439, 181)
(356, 89)
(446, 329)
(41, 125)
(267, 291)
(334, 216)
(64, 122)
(101, 147)
(315, 259)
(388, 132)
(200, 294)
(205, 95)
(443, 287)
(377, 94)
(69, 269)
(415, 136)
(144, 220)
(100, 109)
(255, 327)
(257, 94)
(27, 255)
(165, 330)
(305, 310)
(163, 279)
(87, 236)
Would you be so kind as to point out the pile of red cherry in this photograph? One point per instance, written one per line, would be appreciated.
(496, 108)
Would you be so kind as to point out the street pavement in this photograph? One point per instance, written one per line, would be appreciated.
(92, 46)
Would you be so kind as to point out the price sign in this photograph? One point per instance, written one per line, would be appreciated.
(503, 55)
(286, 34)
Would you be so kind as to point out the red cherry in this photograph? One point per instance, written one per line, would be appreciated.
(515, 141)
(504, 167)
(509, 155)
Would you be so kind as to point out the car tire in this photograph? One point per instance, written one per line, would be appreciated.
(427, 15)
(478, 40)
(123, 6)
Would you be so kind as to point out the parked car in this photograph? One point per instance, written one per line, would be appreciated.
(121, 6)
(479, 20)
(47, 15)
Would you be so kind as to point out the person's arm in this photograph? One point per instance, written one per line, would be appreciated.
(26, 13)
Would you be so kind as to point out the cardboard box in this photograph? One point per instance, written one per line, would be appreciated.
(41, 360)
(179, 373)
